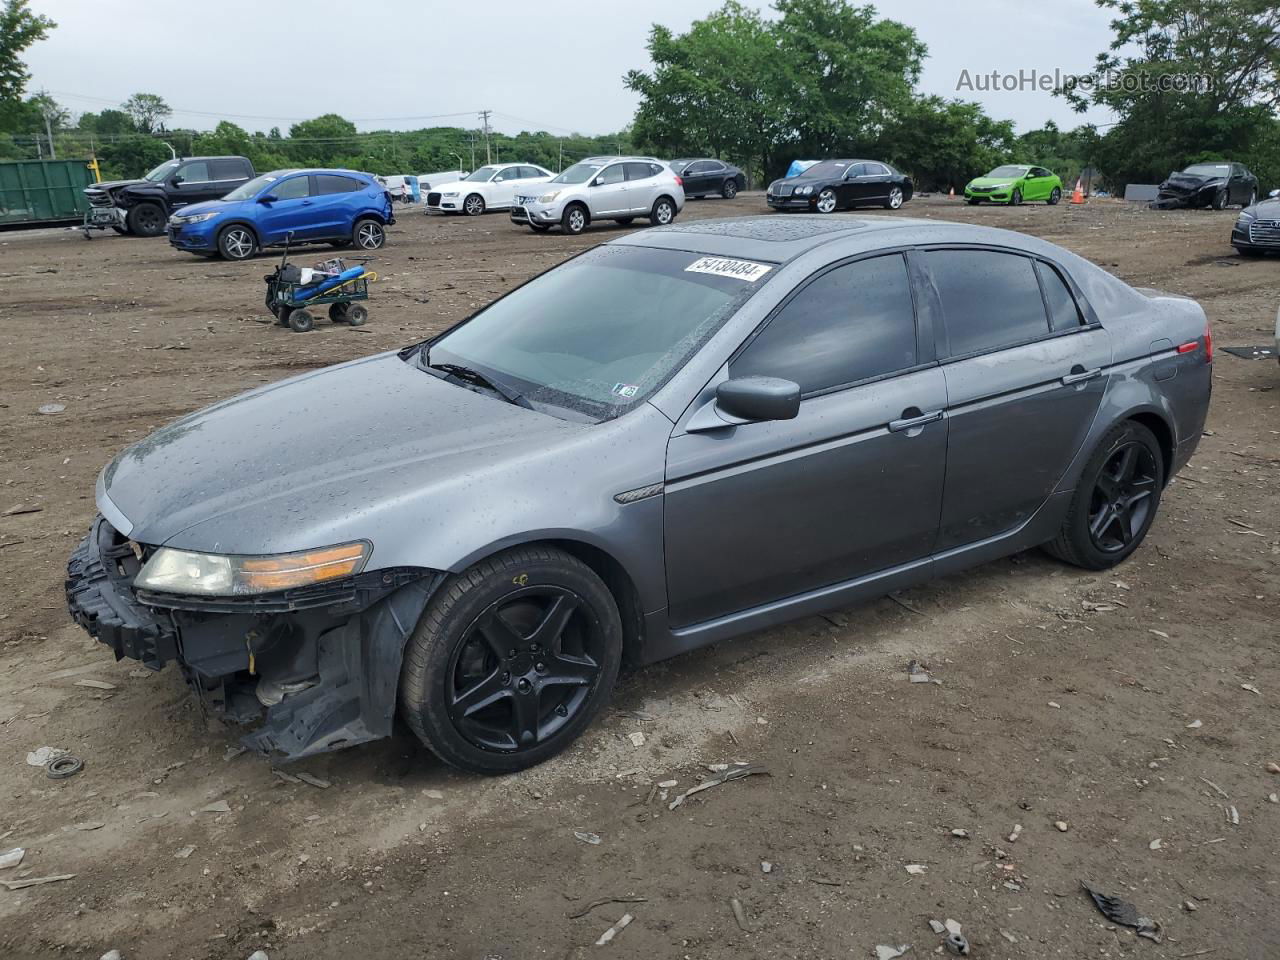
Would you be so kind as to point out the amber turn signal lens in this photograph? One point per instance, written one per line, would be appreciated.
(265, 574)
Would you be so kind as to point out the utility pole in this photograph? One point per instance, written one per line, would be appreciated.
(560, 165)
(484, 115)
(473, 152)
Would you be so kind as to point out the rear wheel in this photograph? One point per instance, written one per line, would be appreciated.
(663, 212)
(511, 661)
(895, 198)
(1054, 196)
(146, 220)
(300, 321)
(368, 234)
(473, 206)
(729, 190)
(237, 242)
(574, 219)
(356, 315)
(827, 201)
(1115, 502)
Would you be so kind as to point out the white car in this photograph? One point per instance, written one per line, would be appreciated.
(492, 187)
(603, 188)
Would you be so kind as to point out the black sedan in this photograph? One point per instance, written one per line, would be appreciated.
(1217, 185)
(705, 177)
(840, 184)
(1257, 229)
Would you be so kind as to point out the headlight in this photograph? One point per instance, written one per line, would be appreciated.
(450, 193)
(201, 217)
(1246, 217)
(1001, 186)
(804, 190)
(212, 575)
(549, 197)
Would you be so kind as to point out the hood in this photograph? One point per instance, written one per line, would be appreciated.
(212, 206)
(1190, 182)
(994, 181)
(306, 461)
(444, 185)
(112, 185)
(1265, 209)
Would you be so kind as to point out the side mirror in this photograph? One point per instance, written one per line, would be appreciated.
(267, 198)
(759, 398)
(175, 180)
(597, 182)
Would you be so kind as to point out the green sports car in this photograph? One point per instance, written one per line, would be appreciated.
(1013, 183)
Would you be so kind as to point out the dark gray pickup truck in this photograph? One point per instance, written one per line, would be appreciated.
(142, 207)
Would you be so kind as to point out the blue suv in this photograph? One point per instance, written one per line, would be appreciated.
(305, 206)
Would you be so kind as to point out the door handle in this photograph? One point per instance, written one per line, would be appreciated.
(306, 203)
(917, 419)
(1080, 375)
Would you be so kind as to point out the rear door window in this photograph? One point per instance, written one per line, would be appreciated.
(849, 324)
(989, 299)
(638, 171)
(1064, 312)
(332, 183)
(228, 170)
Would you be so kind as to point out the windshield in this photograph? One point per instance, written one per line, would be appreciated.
(1008, 170)
(247, 191)
(599, 334)
(578, 173)
(1208, 169)
(677, 166)
(827, 168)
(483, 174)
(162, 171)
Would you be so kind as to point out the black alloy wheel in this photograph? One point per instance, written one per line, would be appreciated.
(1123, 497)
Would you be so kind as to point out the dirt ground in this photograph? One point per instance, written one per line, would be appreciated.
(1136, 706)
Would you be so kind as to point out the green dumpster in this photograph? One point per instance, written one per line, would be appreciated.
(43, 191)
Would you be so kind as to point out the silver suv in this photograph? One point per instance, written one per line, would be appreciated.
(603, 188)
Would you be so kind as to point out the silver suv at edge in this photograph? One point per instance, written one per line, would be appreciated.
(603, 188)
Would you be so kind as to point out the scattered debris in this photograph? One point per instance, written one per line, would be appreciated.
(183, 852)
(1156, 844)
(1055, 704)
(915, 869)
(1190, 906)
(232, 751)
(35, 881)
(739, 914)
(1222, 793)
(585, 837)
(1017, 832)
(49, 408)
(766, 866)
(218, 806)
(890, 953)
(60, 768)
(956, 944)
(637, 739)
(433, 794)
(21, 509)
(937, 927)
(604, 900)
(962, 834)
(259, 955)
(1195, 725)
(734, 773)
(89, 825)
(951, 926)
(916, 673)
(1233, 816)
(1011, 937)
(1273, 767)
(667, 784)
(112, 955)
(1159, 633)
(95, 684)
(1251, 688)
(609, 934)
(314, 780)
(1124, 913)
(285, 777)
(11, 858)
(40, 756)
(1061, 825)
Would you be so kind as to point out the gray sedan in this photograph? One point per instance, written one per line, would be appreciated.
(671, 439)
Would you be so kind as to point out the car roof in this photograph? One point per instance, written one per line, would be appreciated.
(612, 158)
(780, 238)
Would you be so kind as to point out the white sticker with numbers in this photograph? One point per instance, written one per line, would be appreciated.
(725, 267)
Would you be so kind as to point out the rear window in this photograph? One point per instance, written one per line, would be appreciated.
(1064, 312)
(989, 299)
(231, 169)
(332, 183)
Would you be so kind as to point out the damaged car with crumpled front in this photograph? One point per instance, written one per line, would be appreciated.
(1217, 185)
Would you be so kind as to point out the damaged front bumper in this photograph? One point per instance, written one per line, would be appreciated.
(318, 667)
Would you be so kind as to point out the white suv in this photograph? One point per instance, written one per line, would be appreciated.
(602, 188)
(491, 187)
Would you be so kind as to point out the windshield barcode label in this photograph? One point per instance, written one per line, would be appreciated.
(724, 267)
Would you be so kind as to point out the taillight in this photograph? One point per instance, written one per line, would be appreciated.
(679, 181)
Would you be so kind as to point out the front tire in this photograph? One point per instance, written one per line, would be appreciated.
(511, 661)
(1115, 502)
(663, 212)
(300, 321)
(368, 234)
(1220, 200)
(473, 206)
(574, 219)
(1015, 198)
(146, 220)
(826, 201)
(237, 242)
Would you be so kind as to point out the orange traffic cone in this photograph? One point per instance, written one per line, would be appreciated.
(1077, 195)
(952, 194)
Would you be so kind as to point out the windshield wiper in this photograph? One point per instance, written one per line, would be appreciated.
(480, 380)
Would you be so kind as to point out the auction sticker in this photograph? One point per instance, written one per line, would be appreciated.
(725, 267)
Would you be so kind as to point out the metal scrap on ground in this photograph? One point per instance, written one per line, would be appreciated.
(1124, 913)
(733, 773)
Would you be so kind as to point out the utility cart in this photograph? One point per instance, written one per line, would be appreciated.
(293, 293)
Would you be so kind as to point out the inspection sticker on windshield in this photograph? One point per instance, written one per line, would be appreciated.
(724, 267)
(625, 389)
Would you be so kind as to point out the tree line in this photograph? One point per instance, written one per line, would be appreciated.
(818, 78)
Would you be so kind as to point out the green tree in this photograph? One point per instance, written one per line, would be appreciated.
(19, 29)
(945, 143)
(148, 112)
(321, 141)
(1224, 58)
(107, 123)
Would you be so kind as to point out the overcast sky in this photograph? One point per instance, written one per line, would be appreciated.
(555, 64)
